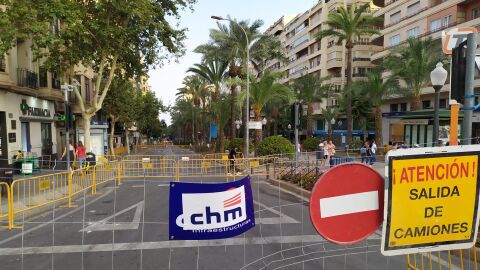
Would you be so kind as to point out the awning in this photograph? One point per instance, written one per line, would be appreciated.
(343, 132)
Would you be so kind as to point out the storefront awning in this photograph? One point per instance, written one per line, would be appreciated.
(343, 132)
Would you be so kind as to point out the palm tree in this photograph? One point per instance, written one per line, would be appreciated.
(361, 107)
(347, 25)
(263, 90)
(214, 71)
(220, 111)
(377, 89)
(413, 64)
(229, 42)
(330, 113)
(310, 89)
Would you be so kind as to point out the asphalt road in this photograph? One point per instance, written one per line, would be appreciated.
(126, 227)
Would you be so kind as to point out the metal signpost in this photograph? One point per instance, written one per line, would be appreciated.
(432, 199)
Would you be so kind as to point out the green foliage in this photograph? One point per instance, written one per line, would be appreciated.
(238, 143)
(311, 144)
(149, 108)
(121, 103)
(275, 145)
(356, 145)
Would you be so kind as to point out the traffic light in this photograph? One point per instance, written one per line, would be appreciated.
(68, 117)
(459, 66)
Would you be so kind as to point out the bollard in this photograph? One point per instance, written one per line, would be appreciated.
(70, 176)
(119, 174)
(94, 180)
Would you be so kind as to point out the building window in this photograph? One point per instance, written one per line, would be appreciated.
(443, 103)
(426, 104)
(403, 107)
(395, 17)
(412, 32)
(446, 21)
(393, 107)
(395, 40)
(475, 13)
(435, 25)
(413, 9)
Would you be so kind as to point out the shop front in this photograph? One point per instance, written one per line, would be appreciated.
(26, 124)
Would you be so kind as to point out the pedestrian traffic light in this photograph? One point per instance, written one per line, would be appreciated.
(459, 67)
(68, 117)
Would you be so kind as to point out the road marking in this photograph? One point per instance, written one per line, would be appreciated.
(25, 232)
(163, 185)
(349, 204)
(138, 186)
(163, 244)
(282, 218)
(102, 225)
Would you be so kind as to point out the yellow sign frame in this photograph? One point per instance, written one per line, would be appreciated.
(432, 200)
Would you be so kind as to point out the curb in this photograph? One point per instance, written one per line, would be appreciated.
(303, 193)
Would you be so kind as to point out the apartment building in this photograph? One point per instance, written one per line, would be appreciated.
(30, 99)
(421, 19)
(323, 58)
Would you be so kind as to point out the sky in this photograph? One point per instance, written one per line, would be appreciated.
(165, 80)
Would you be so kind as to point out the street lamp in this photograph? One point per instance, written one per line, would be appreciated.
(237, 125)
(332, 122)
(264, 123)
(438, 77)
(247, 107)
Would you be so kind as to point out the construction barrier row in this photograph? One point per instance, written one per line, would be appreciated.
(30, 193)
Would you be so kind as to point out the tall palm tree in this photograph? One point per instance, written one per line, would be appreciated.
(347, 25)
(229, 42)
(329, 113)
(361, 107)
(310, 89)
(214, 71)
(220, 111)
(377, 89)
(263, 90)
(413, 64)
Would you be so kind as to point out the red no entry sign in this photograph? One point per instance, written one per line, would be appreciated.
(346, 205)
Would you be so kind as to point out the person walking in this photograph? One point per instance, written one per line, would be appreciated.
(331, 153)
(81, 154)
(363, 152)
(373, 151)
(71, 154)
(231, 157)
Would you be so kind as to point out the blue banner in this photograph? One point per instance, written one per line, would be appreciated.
(213, 131)
(210, 211)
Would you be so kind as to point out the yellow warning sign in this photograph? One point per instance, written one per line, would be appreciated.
(432, 200)
(44, 184)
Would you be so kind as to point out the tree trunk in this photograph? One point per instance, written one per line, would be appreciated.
(348, 109)
(258, 132)
(127, 141)
(309, 120)
(221, 138)
(86, 131)
(275, 127)
(112, 133)
(416, 103)
(232, 112)
(193, 126)
(378, 125)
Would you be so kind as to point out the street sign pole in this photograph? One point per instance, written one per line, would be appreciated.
(296, 132)
(469, 93)
(67, 128)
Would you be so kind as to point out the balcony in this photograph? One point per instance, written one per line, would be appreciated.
(334, 63)
(27, 78)
(361, 59)
(358, 75)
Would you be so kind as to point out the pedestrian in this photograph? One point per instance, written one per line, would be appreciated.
(331, 153)
(71, 154)
(321, 154)
(326, 151)
(363, 152)
(231, 157)
(373, 151)
(81, 154)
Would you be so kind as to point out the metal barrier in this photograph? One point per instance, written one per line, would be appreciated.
(34, 192)
(148, 167)
(5, 209)
(451, 259)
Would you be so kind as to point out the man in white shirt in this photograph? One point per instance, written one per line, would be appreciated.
(373, 151)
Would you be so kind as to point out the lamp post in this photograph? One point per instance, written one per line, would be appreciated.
(438, 77)
(264, 123)
(332, 122)
(247, 106)
(237, 125)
